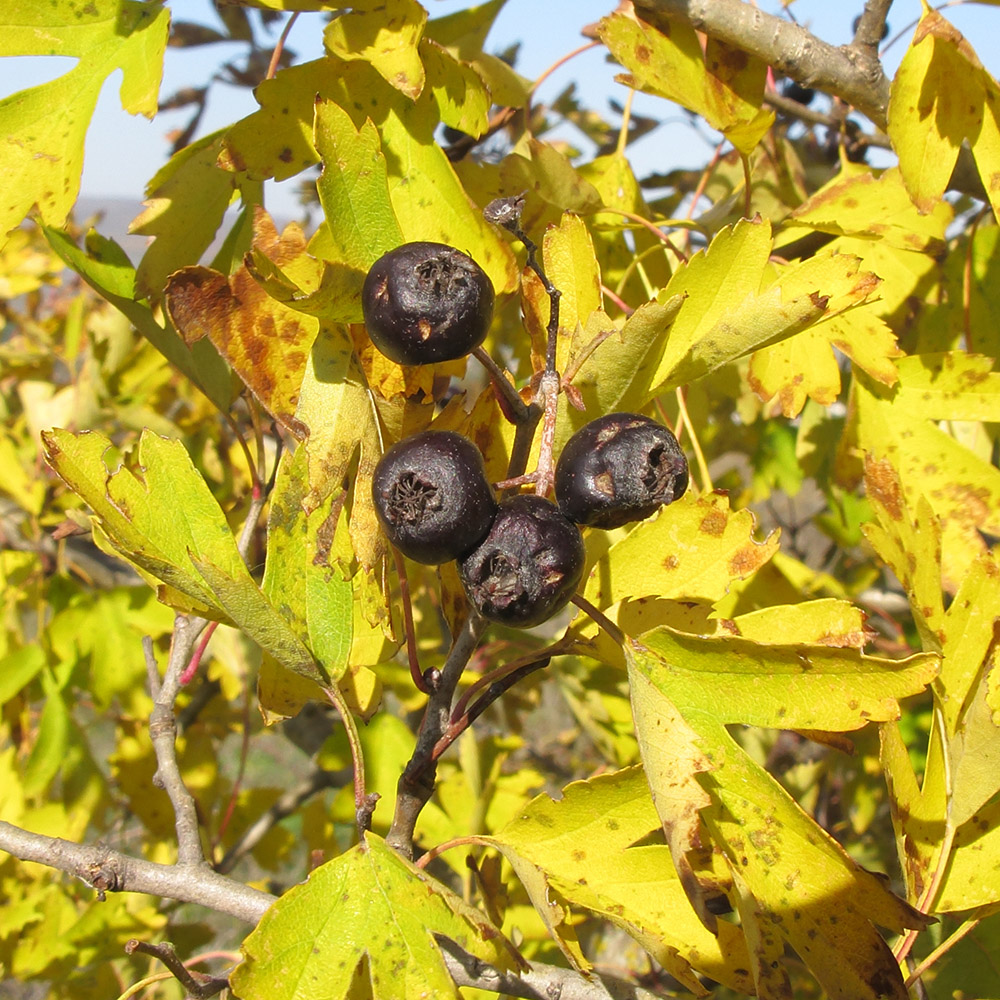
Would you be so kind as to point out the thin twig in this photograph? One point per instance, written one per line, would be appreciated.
(163, 734)
(412, 654)
(599, 617)
(364, 804)
(416, 784)
(505, 680)
(651, 226)
(272, 66)
(541, 79)
(198, 985)
(515, 408)
(285, 805)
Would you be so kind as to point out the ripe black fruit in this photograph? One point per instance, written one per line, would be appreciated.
(426, 302)
(432, 496)
(619, 468)
(528, 566)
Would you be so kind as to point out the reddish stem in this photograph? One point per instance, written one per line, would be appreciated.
(188, 673)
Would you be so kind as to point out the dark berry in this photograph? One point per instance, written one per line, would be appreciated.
(796, 92)
(619, 468)
(528, 566)
(426, 302)
(857, 21)
(432, 496)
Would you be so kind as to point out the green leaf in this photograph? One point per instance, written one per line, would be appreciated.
(353, 189)
(45, 126)
(162, 517)
(18, 669)
(787, 685)
(728, 313)
(107, 269)
(427, 198)
(299, 576)
(338, 410)
(52, 742)
(363, 924)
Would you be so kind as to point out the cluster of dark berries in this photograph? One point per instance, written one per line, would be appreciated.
(522, 559)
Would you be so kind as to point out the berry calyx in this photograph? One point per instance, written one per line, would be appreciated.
(432, 496)
(619, 468)
(426, 302)
(528, 566)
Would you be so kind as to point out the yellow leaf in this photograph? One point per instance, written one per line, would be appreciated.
(962, 489)
(384, 33)
(702, 546)
(942, 96)
(721, 83)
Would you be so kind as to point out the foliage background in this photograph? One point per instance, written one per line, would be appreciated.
(825, 343)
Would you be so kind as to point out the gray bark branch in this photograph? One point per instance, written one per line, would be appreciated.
(111, 871)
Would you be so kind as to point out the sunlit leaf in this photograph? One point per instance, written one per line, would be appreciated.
(363, 924)
(941, 97)
(43, 166)
(384, 33)
(720, 82)
(701, 547)
(582, 846)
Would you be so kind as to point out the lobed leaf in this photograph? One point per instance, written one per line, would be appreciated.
(702, 546)
(792, 878)
(363, 924)
(721, 83)
(162, 517)
(581, 846)
(940, 97)
(42, 168)
(384, 33)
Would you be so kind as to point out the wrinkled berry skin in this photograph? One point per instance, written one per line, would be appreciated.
(432, 496)
(426, 302)
(619, 468)
(528, 566)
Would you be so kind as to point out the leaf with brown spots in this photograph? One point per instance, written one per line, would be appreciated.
(961, 487)
(941, 97)
(783, 683)
(337, 411)
(730, 308)
(364, 924)
(857, 201)
(266, 342)
(719, 82)
(803, 366)
(699, 548)
(788, 873)
(386, 34)
(581, 846)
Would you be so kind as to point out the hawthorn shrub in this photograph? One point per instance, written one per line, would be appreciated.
(747, 745)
